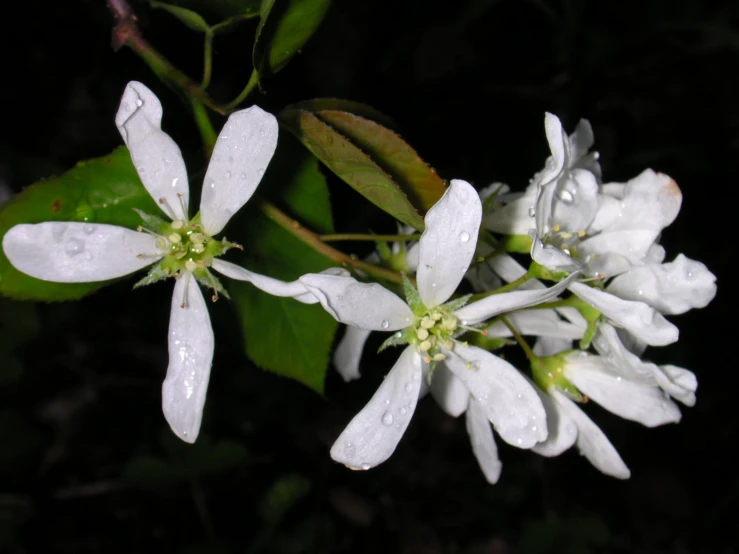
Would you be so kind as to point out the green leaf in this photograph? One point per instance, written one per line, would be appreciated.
(103, 190)
(337, 104)
(191, 19)
(285, 26)
(416, 178)
(282, 335)
(221, 8)
(354, 166)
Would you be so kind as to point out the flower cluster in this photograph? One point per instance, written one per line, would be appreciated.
(596, 275)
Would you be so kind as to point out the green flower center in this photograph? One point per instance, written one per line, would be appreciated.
(434, 331)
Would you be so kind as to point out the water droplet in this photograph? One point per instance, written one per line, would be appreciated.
(212, 184)
(260, 172)
(571, 429)
(532, 211)
(385, 324)
(408, 387)
(519, 442)
(387, 419)
(533, 427)
(464, 236)
(243, 176)
(387, 402)
(349, 450)
(565, 196)
(174, 181)
(519, 396)
(88, 229)
(618, 379)
(228, 174)
(87, 256)
(74, 247)
(433, 285)
(403, 410)
(139, 102)
(416, 375)
(366, 466)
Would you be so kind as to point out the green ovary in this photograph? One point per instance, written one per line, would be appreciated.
(189, 248)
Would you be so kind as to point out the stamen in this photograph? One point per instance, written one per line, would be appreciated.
(178, 224)
(175, 238)
(170, 212)
(422, 333)
(181, 198)
(190, 265)
(187, 289)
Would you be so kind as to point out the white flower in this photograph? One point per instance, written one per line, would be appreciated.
(71, 252)
(429, 327)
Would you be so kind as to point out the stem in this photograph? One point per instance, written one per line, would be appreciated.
(126, 33)
(519, 339)
(375, 238)
(313, 240)
(505, 288)
(207, 133)
(253, 81)
(207, 59)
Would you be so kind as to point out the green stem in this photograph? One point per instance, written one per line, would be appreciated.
(253, 81)
(207, 59)
(207, 133)
(505, 288)
(519, 339)
(375, 238)
(313, 240)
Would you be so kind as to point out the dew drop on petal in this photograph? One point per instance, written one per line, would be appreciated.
(403, 410)
(243, 176)
(366, 466)
(385, 324)
(519, 441)
(408, 387)
(74, 247)
(228, 174)
(532, 211)
(565, 196)
(139, 102)
(88, 229)
(174, 181)
(87, 256)
(349, 450)
(260, 172)
(387, 419)
(464, 236)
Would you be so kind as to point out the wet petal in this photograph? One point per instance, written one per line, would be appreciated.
(372, 436)
(483, 442)
(508, 302)
(448, 243)
(510, 402)
(190, 357)
(552, 257)
(240, 158)
(672, 288)
(644, 322)
(591, 441)
(349, 352)
(514, 218)
(678, 382)
(448, 391)
(275, 287)
(67, 252)
(541, 323)
(562, 431)
(364, 305)
(155, 155)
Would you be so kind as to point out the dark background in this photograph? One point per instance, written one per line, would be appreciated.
(86, 461)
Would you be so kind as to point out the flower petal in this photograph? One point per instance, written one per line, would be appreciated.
(549, 346)
(275, 287)
(630, 244)
(541, 323)
(624, 397)
(558, 144)
(552, 257)
(155, 155)
(240, 158)
(364, 305)
(651, 201)
(672, 288)
(67, 252)
(562, 431)
(448, 244)
(508, 302)
(678, 382)
(636, 317)
(190, 357)
(371, 437)
(483, 442)
(449, 392)
(510, 402)
(591, 441)
(514, 218)
(349, 352)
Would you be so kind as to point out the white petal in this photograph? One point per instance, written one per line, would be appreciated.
(651, 200)
(678, 382)
(541, 323)
(349, 352)
(514, 218)
(240, 158)
(510, 402)
(558, 144)
(591, 441)
(630, 244)
(509, 301)
(155, 155)
(483, 442)
(67, 252)
(448, 243)
(552, 257)
(581, 140)
(449, 392)
(644, 322)
(275, 287)
(510, 270)
(190, 357)
(364, 305)
(629, 399)
(371, 437)
(672, 288)
(562, 431)
(575, 200)
(549, 346)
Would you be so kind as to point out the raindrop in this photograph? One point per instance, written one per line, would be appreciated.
(387, 419)
(618, 379)
(519, 396)
(243, 176)
(416, 375)
(385, 324)
(403, 410)
(349, 450)
(261, 171)
(212, 184)
(565, 196)
(139, 102)
(88, 229)
(519, 441)
(366, 466)
(408, 387)
(87, 256)
(532, 211)
(174, 181)
(74, 247)
(533, 428)
(228, 174)
(464, 236)
(387, 402)
(571, 429)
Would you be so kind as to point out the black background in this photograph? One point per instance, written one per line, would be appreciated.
(468, 83)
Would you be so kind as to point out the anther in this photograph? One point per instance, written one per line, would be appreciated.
(190, 265)
(439, 357)
(175, 238)
(422, 333)
(424, 346)
(178, 224)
